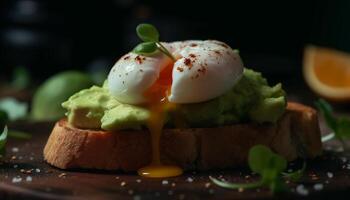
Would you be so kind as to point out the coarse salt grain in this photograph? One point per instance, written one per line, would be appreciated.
(165, 182)
(330, 174)
(189, 179)
(15, 149)
(37, 170)
(137, 197)
(123, 183)
(138, 180)
(318, 186)
(302, 190)
(29, 179)
(16, 179)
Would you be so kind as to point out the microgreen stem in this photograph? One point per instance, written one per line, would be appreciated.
(327, 137)
(165, 51)
(228, 185)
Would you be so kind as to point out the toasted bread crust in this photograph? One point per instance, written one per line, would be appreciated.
(296, 134)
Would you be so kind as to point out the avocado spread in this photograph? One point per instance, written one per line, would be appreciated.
(250, 100)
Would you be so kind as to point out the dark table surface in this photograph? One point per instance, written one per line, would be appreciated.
(24, 174)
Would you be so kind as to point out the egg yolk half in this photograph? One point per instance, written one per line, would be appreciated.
(159, 105)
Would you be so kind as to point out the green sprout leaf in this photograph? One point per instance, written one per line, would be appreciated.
(258, 158)
(339, 125)
(150, 37)
(145, 48)
(269, 166)
(147, 33)
(3, 139)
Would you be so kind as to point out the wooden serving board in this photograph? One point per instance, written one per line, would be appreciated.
(24, 174)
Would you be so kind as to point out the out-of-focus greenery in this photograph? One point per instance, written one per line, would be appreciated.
(46, 104)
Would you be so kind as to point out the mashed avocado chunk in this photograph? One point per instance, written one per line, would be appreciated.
(250, 100)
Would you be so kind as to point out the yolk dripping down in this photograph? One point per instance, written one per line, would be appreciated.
(158, 104)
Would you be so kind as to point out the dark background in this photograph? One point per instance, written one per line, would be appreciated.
(48, 36)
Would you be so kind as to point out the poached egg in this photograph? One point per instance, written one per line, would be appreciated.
(203, 70)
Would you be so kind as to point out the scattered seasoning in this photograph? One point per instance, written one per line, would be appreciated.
(17, 179)
(37, 170)
(165, 182)
(240, 190)
(217, 52)
(126, 74)
(117, 177)
(193, 44)
(15, 166)
(180, 69)
(192, 55)
(15, 149)
(31, 158)
(330, 174)
(141, 70)
(189, 179)
(173, 184)
(318, 186)
(13, 157)
(138, 180)
(202, 70)
(130, 192)
(302, 190)
(62, 175)
(126, 57)
(29, 179)
(139, 59)
(123, 183)
(188, 62)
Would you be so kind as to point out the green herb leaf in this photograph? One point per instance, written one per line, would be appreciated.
(295, 176)
(150, 35)
(147, 33)
(14, 109)
(269, 166)
(21, 78)
(145, 48)
(258, 158)
(339, 125)
(3, 139)
(327, 112)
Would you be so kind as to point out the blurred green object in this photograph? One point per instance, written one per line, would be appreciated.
(21, 78)
(47, 100)
(15, 109)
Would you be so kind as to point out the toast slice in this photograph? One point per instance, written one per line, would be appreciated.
(296, 134)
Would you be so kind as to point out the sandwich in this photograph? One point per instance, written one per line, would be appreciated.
(169, 107)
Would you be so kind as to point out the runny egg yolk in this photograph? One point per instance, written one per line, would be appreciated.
(159, 104)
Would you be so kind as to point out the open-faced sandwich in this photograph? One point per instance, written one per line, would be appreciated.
(168, 107)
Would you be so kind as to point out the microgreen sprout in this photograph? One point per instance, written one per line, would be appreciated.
(3, 140)
(150, 37)
(339, 125)
(269, 166)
